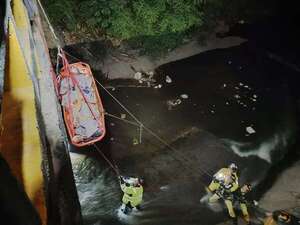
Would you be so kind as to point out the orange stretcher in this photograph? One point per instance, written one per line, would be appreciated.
(82, 106)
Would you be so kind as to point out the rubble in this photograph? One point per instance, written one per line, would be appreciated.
(158, 86)
(138, 76)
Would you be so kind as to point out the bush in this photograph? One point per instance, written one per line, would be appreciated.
(154, 25)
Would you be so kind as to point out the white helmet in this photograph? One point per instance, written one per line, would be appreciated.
(233, 167)
(131, 180)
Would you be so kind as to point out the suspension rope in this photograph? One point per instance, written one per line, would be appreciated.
(146, 128)
(49, 24)
(114, 167)
(124, 120)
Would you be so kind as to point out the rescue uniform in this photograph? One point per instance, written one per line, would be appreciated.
(223, 185)
(240, 197)
(133, 196)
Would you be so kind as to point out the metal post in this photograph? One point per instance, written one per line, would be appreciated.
(141, 130)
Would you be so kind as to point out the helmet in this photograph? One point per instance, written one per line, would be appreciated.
(233, 167)
(282, 216)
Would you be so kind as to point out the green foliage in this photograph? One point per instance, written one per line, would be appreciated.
(154, 25)
(62, 13)
(133, 18)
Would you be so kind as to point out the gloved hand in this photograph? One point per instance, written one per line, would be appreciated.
(227, 194)
(220, 192)
(121, 179)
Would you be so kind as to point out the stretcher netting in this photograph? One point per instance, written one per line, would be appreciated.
(82, 107)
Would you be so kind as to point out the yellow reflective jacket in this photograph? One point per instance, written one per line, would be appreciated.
(132, 194)
(269, 221)
(225, 176)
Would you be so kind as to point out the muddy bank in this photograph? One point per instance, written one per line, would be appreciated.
(118, 65)
(124, 63)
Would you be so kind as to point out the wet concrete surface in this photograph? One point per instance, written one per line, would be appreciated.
(228, 90)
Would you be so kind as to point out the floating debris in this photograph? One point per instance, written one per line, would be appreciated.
(237, 96)
(166, 187)
(254, 96)
(112, 124)
(168, 79)
(184, 96)
(224, 85)
(241, 84)
(237, 88)
(227, 103)
(250, 130)
(229, 62)
(135, 141)
(212, 111)
(138, 75)
(173, 102)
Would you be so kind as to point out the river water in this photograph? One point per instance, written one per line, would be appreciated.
(239, 108)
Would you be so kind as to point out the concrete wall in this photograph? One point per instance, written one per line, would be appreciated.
(34, 140)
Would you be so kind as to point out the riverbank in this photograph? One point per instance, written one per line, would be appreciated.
(124, 65)
(123, 62)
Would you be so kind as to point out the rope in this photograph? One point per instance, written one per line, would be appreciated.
(146, 128)
(126, 121)
(114, 167)
(49, 24)
(74, 57)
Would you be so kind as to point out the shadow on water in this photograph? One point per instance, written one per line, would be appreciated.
(15, 207)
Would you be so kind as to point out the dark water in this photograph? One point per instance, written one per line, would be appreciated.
(228, 90)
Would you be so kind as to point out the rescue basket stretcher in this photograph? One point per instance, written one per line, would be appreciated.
(82, 106)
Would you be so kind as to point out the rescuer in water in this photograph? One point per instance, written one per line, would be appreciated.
(223, 185)
(240, 196)
(133, 193)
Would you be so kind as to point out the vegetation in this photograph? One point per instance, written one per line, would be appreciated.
(152, 25)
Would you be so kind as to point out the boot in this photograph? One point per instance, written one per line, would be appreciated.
(247, 219)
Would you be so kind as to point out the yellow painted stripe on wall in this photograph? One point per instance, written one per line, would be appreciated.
(20, 139)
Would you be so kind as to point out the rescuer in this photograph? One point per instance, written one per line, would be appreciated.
(240, 196)
(224, 183)
(133, 193)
